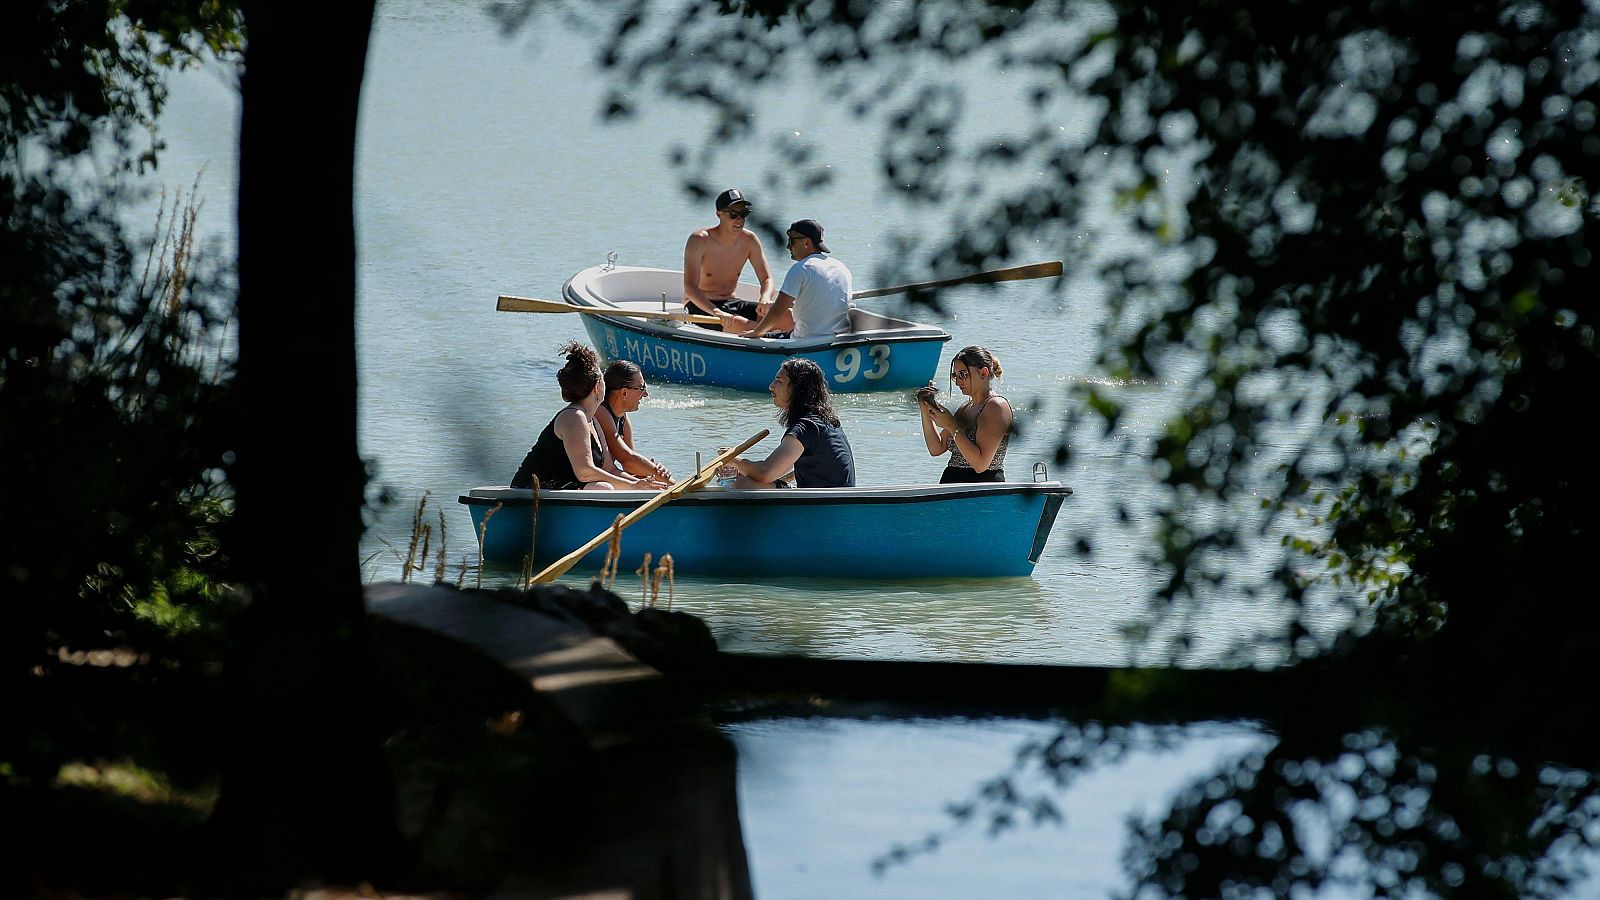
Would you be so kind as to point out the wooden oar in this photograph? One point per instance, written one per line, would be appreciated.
(509, 303)
(692, 483)
(1015, 273)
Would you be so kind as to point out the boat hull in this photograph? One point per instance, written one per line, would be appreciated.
(880, 354)
(852, 367)
(901, 532)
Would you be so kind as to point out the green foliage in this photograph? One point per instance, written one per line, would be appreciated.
(114, 362)
(1373, 812)
(1374, 227)
(113, 411)
(1367, 256)
(75, 70)
(188, 596)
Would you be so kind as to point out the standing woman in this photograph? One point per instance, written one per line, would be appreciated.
(977, 433)
(625, 388)
(813, 443)
(570, 453)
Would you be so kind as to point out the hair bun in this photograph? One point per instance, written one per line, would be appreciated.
(975, 357)
(580, 373)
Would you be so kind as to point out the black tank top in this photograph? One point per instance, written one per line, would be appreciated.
(548, 460)
(617, 422)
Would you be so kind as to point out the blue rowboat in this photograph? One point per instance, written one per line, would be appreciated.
(898, 531)
(879, 353)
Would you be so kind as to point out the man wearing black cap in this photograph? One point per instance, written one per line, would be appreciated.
(713, 259)
(817, 289)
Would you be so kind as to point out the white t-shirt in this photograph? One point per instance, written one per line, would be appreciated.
(821, 288)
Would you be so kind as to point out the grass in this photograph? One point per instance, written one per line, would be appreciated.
(122, 778)
(420, 550)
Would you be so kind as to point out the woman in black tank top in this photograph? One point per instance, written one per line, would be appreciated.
(549, 461)
(977, 434)
(570, 452)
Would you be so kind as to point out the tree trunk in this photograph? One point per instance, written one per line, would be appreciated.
(304, 791)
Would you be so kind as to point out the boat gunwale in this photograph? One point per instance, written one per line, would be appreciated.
(886, 494)
(779, 346)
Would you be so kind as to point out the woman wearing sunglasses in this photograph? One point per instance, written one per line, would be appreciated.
(977, 433)
(625, 389)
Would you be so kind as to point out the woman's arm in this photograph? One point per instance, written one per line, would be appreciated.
(779, 463)
(935, 437)
(993, 423)
(574, 430)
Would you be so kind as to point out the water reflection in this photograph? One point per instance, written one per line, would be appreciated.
(822, 799)
(895, 620)
(844, 807)
(1080, 614)
(1375, 812)
(969, 619)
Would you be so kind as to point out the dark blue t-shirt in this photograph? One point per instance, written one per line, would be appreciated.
(826, 460)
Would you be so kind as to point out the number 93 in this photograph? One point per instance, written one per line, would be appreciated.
(849, 363)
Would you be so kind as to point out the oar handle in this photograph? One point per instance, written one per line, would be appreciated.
(693, 482)
(509, 303)
(1015, 273)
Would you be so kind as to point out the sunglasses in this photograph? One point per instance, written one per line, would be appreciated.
(962, 375)
(643, 391)
(740, 213)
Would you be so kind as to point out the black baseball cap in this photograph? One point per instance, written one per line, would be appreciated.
(729, 197)
(810, 228)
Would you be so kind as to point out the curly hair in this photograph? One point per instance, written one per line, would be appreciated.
(808, 393)
(581, 373)
(977, 357)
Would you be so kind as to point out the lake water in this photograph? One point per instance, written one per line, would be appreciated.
(898, 777)
(483, 169)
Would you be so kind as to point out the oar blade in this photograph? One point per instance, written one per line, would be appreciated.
(1014, 273)
(1020, 273)
(508, 303)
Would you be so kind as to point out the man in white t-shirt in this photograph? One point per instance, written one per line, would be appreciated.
(817, 288)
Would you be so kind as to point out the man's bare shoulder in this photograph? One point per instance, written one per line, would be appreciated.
(749, 240)
(696, 247)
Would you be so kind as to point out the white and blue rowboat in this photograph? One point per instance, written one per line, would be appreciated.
(888, 532)
(879, 353)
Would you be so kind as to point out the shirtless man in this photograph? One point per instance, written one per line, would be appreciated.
(713, 259)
